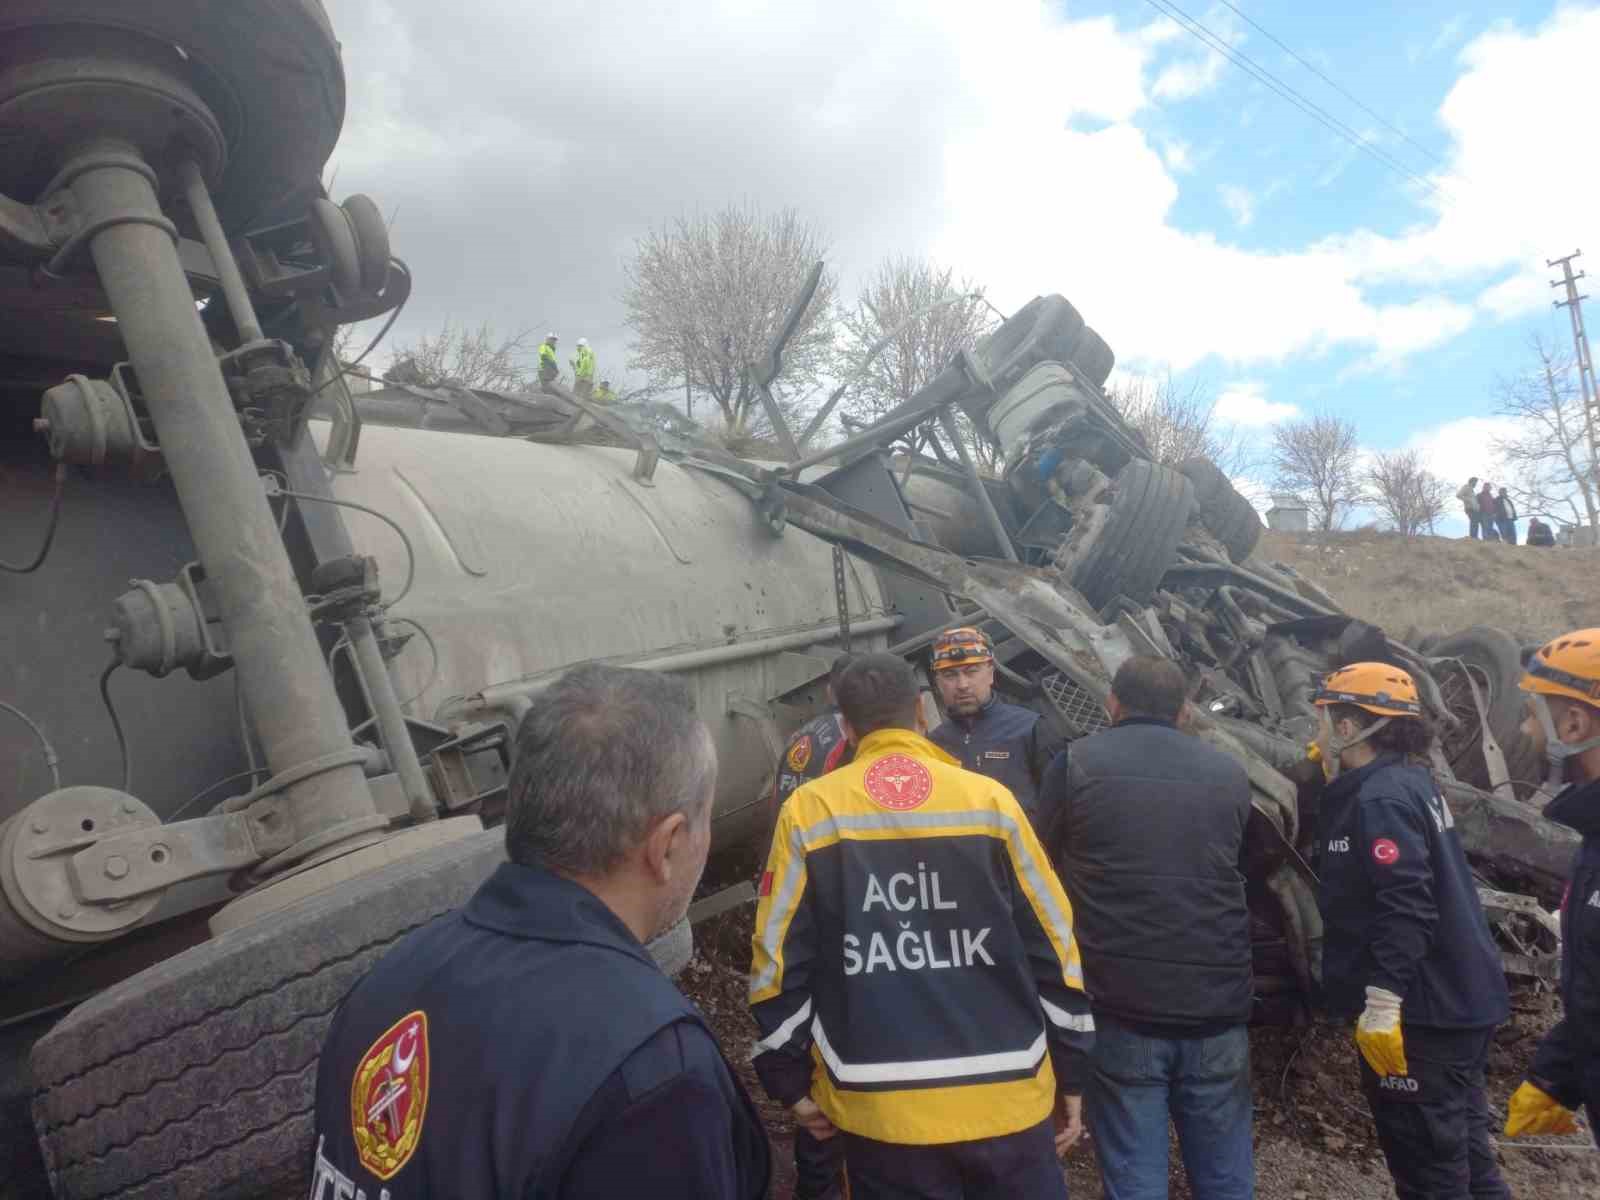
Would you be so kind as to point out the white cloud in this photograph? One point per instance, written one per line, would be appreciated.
(1240, 203)
(1464, 447)
(1245, 404)
(828, 108)
(1219, 298)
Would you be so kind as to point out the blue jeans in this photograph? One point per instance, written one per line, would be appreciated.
(1201, 1084)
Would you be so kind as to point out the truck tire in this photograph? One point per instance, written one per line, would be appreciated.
(197, 1076)
(1150, 509)
(1494, 659)
(1226, 514)
(1093, 357)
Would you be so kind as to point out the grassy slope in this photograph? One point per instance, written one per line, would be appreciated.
(1416, 586)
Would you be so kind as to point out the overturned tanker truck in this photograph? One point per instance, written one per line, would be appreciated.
(267, 640)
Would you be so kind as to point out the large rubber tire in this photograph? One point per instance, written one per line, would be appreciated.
(1226, 514)
(1093, 357)
(196, 1077)
(1495, 660)
(1150, 509)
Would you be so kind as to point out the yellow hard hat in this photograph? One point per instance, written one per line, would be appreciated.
(1377, 687)
(1568, 666)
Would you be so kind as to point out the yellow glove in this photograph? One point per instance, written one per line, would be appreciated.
(1378, 1033)
(1533, 1112)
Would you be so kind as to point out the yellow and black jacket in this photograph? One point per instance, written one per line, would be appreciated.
(914, 968)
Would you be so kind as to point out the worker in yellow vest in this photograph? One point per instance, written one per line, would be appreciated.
(583, 369)
(549, 365)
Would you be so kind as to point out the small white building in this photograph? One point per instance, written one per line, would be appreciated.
(1289, 514)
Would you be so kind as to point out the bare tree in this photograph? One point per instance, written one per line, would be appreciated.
(478, 358)
(1410, 496)
(909, 322)
(705, 296)
(1178, 420)
(1317, 459)
(1555, 469)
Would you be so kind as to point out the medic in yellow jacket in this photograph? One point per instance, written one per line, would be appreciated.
(914, 969)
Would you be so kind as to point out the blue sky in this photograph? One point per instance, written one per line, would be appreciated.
(1255, 180)
(1096, 149)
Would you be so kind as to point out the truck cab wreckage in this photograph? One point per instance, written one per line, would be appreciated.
(363, 590)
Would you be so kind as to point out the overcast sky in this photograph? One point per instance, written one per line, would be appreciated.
(1099, 150)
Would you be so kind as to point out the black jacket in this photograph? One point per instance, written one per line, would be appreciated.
(1146, 827)
(1006, 742)
(1400, 909)
(1567, 1064)
(817, 747)
(526, 1046)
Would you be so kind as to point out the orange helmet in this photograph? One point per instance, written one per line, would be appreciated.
(1569, 666)
(1377, 687)
(961, 647)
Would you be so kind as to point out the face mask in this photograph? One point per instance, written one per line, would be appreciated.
(1330, 747)
(1558, 754)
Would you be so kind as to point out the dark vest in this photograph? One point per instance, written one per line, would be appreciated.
(534, 994)
(998, 742)
(1147, 837)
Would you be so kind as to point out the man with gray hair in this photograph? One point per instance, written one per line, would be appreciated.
(526, 1045)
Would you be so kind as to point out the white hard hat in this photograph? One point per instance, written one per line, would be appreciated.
(550, 337)
(583, 341)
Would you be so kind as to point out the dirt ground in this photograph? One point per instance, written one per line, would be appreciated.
(1426, 585)
(1314, 1138)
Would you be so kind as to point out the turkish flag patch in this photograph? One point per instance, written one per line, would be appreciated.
(1385, 853)
(766, 883)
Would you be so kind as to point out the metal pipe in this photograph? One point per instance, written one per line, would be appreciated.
(287, 687)
(985, 501)
(950, 385)
(507, 695)
(205, 217)
(378, 688)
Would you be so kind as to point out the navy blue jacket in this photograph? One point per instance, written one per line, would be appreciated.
(1006, 742)
(526, 1046)
(1567, 1064)
(1399, 906)
(817, 747)
(1146, 827)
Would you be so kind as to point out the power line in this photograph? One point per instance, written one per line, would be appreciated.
(1317, 71)
(1313, 110)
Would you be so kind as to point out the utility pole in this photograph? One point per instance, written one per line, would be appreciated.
(1580, 344)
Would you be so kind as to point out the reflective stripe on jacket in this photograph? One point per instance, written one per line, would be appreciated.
(913, 964)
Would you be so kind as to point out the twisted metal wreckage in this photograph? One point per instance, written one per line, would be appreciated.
(228, 852)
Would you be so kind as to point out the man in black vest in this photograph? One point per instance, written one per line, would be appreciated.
(1008, 743)
(526, 1045)
(1146, 826)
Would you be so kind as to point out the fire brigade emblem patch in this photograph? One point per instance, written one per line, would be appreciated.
(800, 754)
(1385, 853)
(898, 782)
(390, 1096)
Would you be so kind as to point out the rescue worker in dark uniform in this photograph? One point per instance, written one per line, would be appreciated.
(1006, 742)
(526, 1045)
(1406, 948)
(817, 747)
(914, 974)
(1563, 686)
